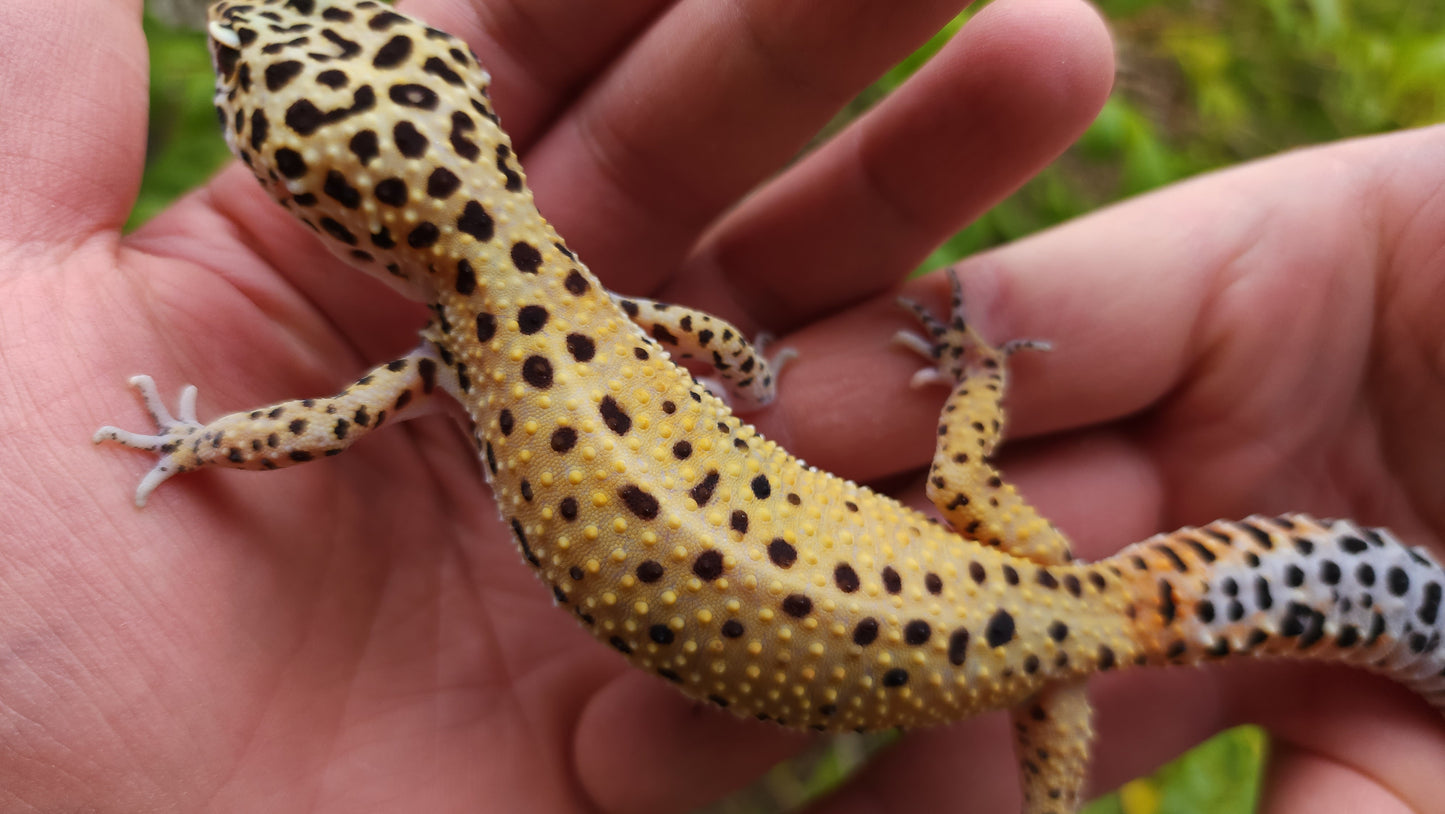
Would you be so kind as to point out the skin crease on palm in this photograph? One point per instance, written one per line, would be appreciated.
(360, 634)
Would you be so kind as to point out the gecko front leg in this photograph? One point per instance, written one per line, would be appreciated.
(279, 435)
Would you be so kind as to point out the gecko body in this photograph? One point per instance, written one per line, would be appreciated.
(671, 529)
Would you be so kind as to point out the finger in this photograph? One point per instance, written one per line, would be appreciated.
(1302, 780)
(1006, 96)
(1130, 297)
(73, 79)
(711, 99)
(1146, 718)
(1360, 734)
(540, 53)
(680, 754)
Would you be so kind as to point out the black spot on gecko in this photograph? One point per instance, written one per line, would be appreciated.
(892, 582)
(738, 521)
(760, 486)
(505, 422)
(650, 571)
(522, 541)
(290, 163)
(639, 502)
(526, 257)
(475, 221)
(531, 319)
(1430, 608)
(582, 348)
(1167, 607)
(466, 282)
(682, 450)
(365, 147)
(409, 141)
(708, 565)
(575, 283)
(1353, 545)
(661, 634)
(511, 181)
(348, 48)
(442, 183)
(782, 553)
(702, 492)
(732, 629)
(1000, 629)
(424, 236)
(846, 578)
(537, 371)
(797, 605)
(413, 95)
(563, 439)
(391, 191)
(866, 632)
(385, 20)
(338, 231)
(440, 69)
(340, 191)
(896, 677)
(486, 327)
(393, 53)
(613, 415)
(259, 128)
(917, 632)
(279, 74)
(958, 647)
(568, 508)
(1397, 581)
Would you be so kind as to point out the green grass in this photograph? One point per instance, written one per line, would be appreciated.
(1202, 85)
(184, 145)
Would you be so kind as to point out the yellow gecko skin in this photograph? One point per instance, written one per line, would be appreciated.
(672, 530)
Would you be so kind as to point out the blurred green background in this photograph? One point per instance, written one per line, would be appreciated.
(1202, 84)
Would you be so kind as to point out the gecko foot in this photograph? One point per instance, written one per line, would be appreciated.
(954, 349)
(176, 455)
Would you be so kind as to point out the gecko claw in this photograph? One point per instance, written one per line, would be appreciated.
(173, 432)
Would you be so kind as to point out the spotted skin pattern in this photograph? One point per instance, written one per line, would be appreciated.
(673, 531)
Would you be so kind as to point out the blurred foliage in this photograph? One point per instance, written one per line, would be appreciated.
(184, 145)
(1201, 84)
(1221, 776)
(1209, 83)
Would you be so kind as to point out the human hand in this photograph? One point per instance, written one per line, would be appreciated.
(1261, 340)
(361, 634)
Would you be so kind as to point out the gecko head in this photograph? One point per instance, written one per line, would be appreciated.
(345, 112)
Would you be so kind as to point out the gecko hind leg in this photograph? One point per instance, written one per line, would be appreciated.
(962, 481)
(279, 435)
(1052, 730)
(748, 374)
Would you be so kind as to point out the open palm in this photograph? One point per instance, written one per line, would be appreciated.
(361, 634)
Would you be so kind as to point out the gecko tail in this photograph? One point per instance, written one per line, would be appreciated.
(1290, 586)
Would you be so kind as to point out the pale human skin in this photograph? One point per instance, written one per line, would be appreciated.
(361, 634)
